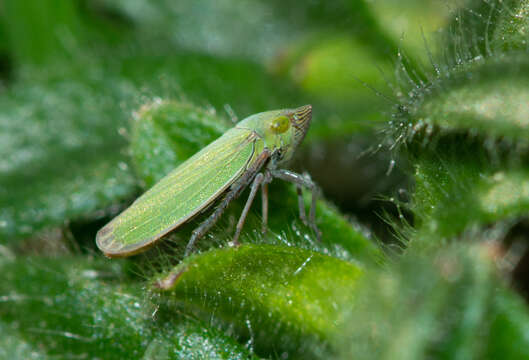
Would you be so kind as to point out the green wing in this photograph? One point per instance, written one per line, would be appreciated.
(180, 195)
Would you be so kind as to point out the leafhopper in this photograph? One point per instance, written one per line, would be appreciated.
(252, 153)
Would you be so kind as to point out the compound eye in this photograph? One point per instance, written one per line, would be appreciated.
(280, 124)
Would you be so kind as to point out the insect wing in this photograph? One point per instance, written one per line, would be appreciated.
(180, 195)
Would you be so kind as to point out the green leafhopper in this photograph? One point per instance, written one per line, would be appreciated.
(252, 152)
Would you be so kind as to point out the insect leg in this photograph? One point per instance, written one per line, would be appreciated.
(301, 204)
(207, 224)
(258, 180)
(264, 200)
(235, 191)
(231, 113)
(302, 181)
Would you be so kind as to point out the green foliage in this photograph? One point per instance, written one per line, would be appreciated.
(282, 297)
(34, 29)
(79, 307)
(466, 129)
(460, 175)
(470, 99)
(455, 306)
(101, 98)
(166, 133)
(511, 29)
(60, 159)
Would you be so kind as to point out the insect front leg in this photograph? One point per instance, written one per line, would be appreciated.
(302, 181)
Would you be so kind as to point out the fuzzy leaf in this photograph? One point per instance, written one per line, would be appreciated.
(443, 305)
(76, 307)
(61, 156)
(511, 31)
(467, 133)
(486, 98)
(285, 299)
(446, 185)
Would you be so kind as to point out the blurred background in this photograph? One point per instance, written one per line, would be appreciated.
(72, 74)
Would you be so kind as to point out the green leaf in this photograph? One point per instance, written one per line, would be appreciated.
(37, 29)
(467, 135)
(511, 31)
(486, 28)
(443, 304)
(487, 98)
(466, 130)
(460, 189)
(13, 346)
(165, 133)
(77, 307)
(285, 299)
(61, 156)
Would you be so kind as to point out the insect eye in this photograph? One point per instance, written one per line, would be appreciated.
(280, 125)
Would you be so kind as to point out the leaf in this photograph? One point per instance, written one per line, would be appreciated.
(16, 347)
(285, 299)
(460, 190)
(481, 29)
(490, 103)
(443, 304)
(61, 156)
(77, 307)
(37, 32)
(466, 132)
(510, 33)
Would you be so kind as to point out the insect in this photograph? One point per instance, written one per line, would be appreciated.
(252, 152)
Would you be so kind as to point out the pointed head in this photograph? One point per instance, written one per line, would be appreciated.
(281, 130)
